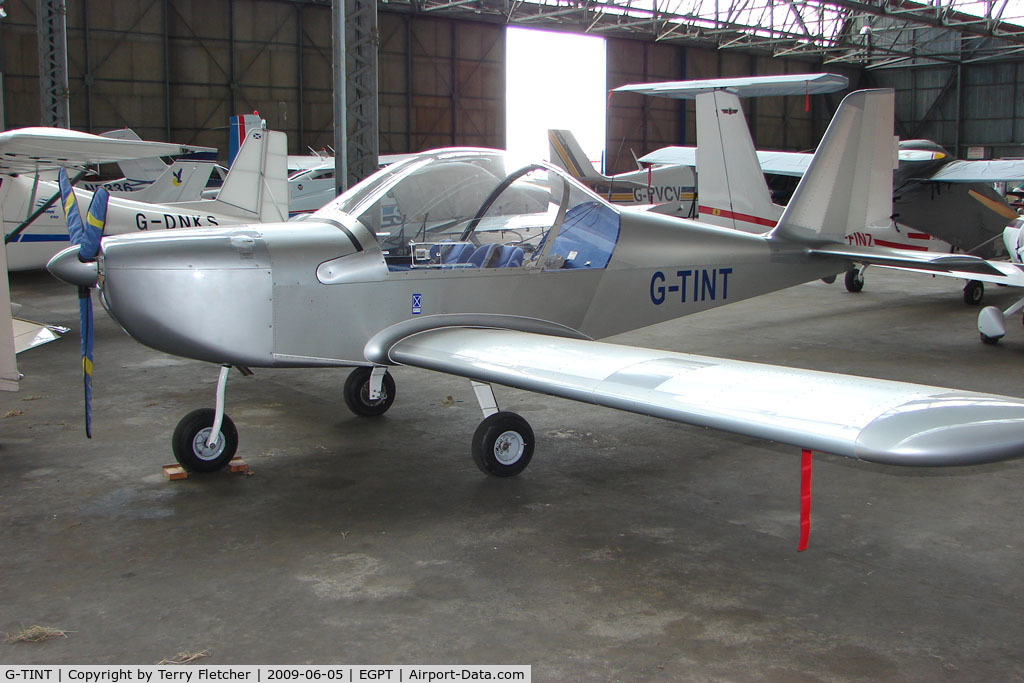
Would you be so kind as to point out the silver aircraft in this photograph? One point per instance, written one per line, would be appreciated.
(469, 262)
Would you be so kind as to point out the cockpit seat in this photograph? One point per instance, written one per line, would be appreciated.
(458, 252)
(482, 255)
(508, 257)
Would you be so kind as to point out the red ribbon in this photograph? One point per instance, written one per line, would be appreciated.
(805, 499)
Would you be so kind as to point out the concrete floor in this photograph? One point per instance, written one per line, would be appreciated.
(632, 549)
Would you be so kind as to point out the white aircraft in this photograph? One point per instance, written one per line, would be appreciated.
(991, 320)
(140, 174)
(324, 293)
(669, 187)
(255, 190)
(312, 186)
(939, 203)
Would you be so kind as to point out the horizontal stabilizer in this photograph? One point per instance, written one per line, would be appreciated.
(869, 419)
(908, 259)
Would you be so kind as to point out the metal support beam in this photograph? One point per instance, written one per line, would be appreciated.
(54, 109)
(361, 44)
(299, 80)
(339, 70)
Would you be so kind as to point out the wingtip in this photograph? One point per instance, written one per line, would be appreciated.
(957, 428)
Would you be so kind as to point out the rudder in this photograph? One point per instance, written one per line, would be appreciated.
(731, 189)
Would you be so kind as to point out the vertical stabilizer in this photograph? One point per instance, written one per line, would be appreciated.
(182, 181)
(238, 130)
(731, 188)
(566, 153)
(146, 169)
(257, 183)
(848, 184)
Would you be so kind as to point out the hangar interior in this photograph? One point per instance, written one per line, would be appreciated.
(177, 70)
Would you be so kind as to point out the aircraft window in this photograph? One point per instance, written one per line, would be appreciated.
(587, 236)
(480, 211)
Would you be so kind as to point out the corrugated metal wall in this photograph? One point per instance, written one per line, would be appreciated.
(178, 70)
(973, 106)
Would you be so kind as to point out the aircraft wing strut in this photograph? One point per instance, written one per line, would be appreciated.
(868, 419)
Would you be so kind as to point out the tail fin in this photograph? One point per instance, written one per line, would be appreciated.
(566, 153)
(147, 169)
(848, 184)
(731, 187)
(182, 181)
(256, 186)
(238, 130)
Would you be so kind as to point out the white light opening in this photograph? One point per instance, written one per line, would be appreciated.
(554, 80)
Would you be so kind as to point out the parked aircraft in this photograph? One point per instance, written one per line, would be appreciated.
(669, 187)
(939, 203)
(139, 174)
(991, 320)
(524, 313)
(312, 186)
(255, 190)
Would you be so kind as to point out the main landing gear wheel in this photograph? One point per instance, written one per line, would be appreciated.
(974, 292)
(854, 280)
(190, 442)
(357, 393)
(503, 445)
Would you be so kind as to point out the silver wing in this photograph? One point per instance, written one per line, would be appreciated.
(868, 419)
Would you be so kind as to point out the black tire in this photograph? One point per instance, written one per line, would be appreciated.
(190, 436)
(974, 292)
(829, 280)
(357, 393)
(503, 445)
(992, 341)
(854, 280)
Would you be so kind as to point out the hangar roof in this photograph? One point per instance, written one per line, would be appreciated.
(868, 33)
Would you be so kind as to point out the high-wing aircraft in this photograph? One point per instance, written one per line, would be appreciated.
(140, 174)
(670, 187)
(255, 190)
(507, 272)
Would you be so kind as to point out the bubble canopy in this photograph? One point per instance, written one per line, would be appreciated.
(470, 208)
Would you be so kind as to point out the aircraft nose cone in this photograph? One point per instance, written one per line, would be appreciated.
(67, 267)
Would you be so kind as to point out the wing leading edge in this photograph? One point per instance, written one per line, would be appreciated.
(868, 419)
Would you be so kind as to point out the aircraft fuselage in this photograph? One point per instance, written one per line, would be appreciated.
(314, 294)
